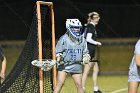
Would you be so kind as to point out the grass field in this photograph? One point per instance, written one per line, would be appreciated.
(115, 58)
(108, 84)
(114, 65)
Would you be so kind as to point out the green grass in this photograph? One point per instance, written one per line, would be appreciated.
(115, 58)
(12, 56)
(107, 84)
(17, 42)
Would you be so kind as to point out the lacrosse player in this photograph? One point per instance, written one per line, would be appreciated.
(134, 70)
(3, 67)
(91, 35)
(71, 53)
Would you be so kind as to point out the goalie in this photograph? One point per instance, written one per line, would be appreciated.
(71, 53)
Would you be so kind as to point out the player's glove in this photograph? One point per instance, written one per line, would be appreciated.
(86, 58)
(59, 58)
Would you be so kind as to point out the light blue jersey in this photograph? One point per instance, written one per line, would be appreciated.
(134, 70)
(72, 52)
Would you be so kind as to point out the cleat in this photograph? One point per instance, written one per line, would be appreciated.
(98, 91)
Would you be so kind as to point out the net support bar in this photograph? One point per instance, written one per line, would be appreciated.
(40, 46)
(50, 4)
(53, 46)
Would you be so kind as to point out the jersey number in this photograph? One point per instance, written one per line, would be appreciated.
(73, 57)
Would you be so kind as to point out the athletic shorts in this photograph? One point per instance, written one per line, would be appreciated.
(71, 67)
(92, 50)
(134, 75)
(92, 53)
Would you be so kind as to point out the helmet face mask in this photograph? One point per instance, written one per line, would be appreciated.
(76, 31)
(74, 27)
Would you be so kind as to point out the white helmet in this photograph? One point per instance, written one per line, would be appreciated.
(74, 27)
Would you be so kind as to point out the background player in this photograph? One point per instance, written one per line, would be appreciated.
(91, 35)
(134, 70)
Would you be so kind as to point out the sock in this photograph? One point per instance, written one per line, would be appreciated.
(84, 88)
(96, 88)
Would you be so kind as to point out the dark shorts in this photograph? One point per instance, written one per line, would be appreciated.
(92, 50)
(92, 53)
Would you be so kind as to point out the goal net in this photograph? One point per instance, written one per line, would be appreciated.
(24, 77)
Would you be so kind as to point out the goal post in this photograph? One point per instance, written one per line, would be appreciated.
(50, 4)
(39, 45)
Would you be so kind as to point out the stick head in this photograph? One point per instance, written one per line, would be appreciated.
(47, 64)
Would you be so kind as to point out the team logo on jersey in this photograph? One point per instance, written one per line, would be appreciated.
(75, 51)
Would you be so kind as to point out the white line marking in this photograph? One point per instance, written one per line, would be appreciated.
(117, 91)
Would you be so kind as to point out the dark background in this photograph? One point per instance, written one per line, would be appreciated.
(119, 18)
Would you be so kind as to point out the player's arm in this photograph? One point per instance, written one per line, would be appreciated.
(3, 65)
(60, 46)
(90, 40)
(3, 68)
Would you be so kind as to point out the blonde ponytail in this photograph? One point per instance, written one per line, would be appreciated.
(90, 17)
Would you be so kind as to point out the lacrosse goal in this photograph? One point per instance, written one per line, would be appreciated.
(40, 44)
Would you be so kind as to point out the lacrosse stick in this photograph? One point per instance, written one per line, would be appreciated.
(47, 64)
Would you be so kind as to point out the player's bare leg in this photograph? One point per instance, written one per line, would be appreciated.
(60, 81)
(78, 82)
(133, 87)
(85, 73)
(95, 75)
